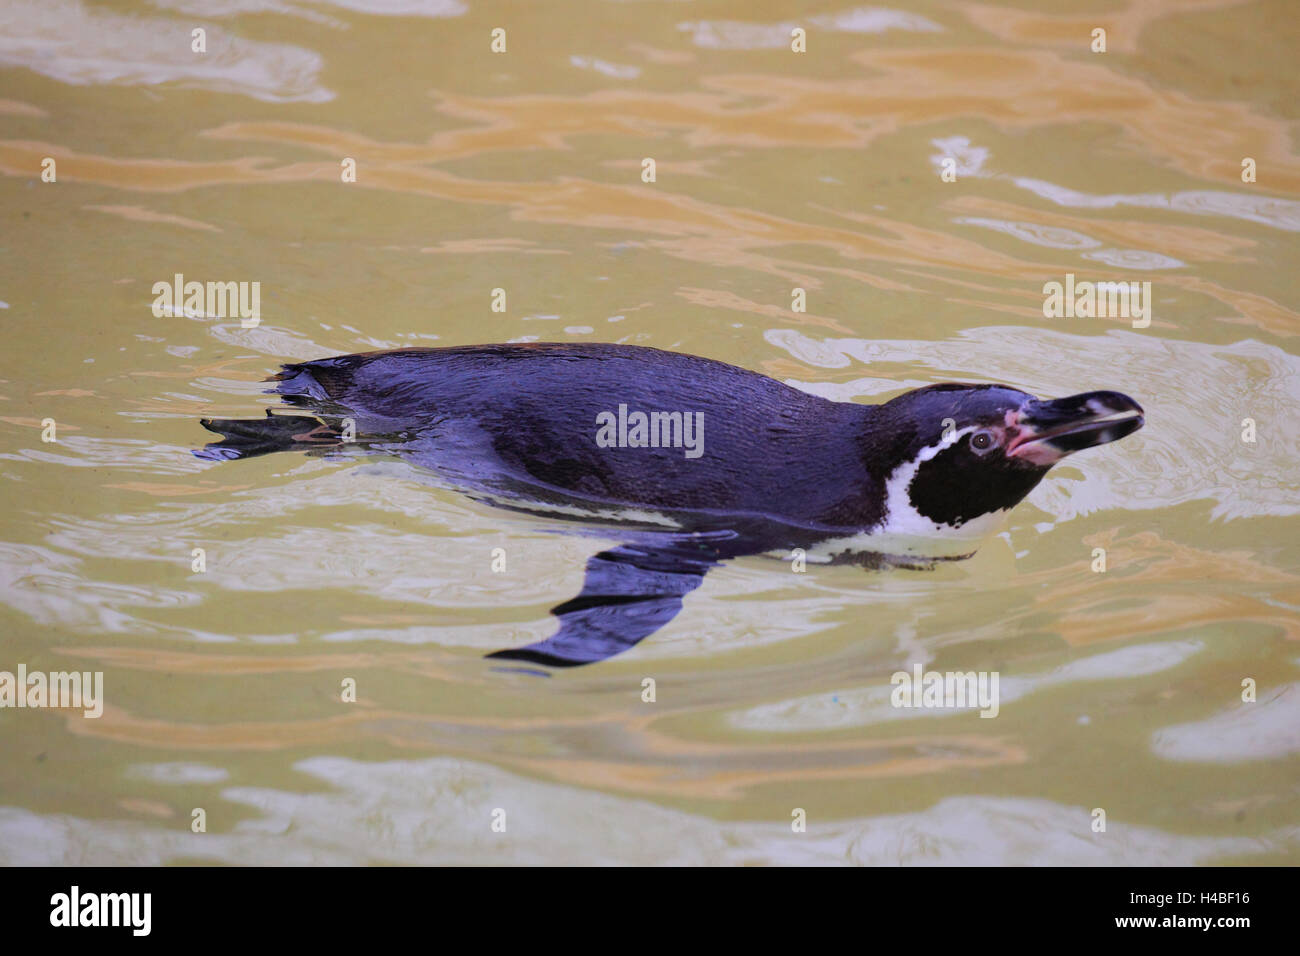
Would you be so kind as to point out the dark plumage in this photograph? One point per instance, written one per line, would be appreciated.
(776, 467)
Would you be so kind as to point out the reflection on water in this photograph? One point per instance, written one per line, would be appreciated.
(82, 44)
(1278, 213)
(1270, 730)
(432, 811)
(732, 35)
(1120, 689)
(871, 705)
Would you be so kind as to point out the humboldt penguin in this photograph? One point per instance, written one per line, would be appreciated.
(693, 461)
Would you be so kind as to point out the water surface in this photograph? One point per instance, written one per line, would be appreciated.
(1121, 690)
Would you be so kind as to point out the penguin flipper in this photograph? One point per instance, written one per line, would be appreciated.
(629, 593)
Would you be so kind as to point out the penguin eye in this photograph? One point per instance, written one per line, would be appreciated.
(982, 441)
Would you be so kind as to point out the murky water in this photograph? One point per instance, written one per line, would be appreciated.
(1120, 690)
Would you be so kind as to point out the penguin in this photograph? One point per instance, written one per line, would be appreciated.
(692, 460)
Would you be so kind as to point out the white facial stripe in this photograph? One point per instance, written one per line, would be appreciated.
(925, 454)
(917, 533)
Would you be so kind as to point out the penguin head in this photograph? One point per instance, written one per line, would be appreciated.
(971, 452)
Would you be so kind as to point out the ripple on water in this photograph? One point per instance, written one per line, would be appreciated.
(872, 705)
(435, 811)
(1134, 259)
(179, 773)
(1264, 729)
(75, 43)
(1050, 237)
(739, 35)
(972, 161)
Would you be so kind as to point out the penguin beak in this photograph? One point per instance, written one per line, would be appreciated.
(1047, 431)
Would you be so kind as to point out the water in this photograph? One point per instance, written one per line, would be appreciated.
(1120, 690)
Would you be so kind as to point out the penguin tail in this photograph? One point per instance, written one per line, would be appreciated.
(250, 437)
